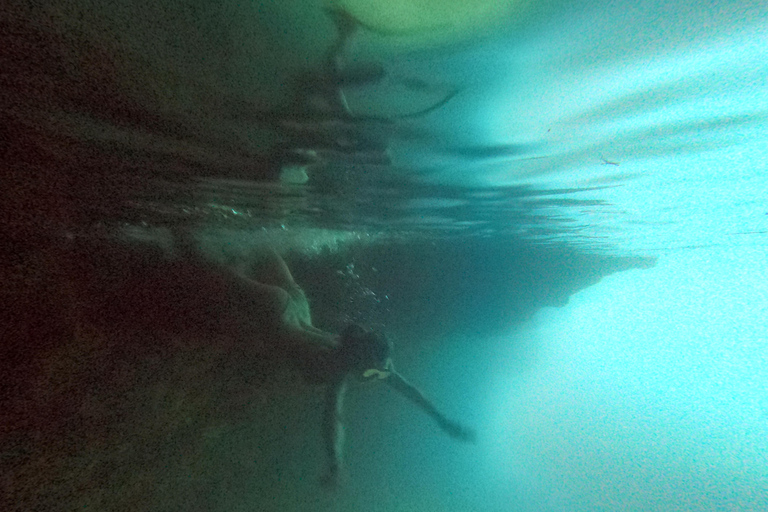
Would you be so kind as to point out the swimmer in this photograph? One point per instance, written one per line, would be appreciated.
(362, 355)
(323, 358)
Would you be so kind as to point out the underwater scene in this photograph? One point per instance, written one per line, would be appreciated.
(384, 255)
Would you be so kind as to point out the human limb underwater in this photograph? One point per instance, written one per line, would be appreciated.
(412, 393)
(323, 358)
(371, 352)
(370, 361)
(333, 432)
(267, 294)
(333, 428)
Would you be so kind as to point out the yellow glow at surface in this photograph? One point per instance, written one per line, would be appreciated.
(414, 16)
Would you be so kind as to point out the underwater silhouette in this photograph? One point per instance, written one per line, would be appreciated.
(322, 358)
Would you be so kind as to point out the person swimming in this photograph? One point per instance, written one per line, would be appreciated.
(321, 358)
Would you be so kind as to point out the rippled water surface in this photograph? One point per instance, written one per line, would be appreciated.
(612, 128)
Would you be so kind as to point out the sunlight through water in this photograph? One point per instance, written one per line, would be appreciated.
(658, 113)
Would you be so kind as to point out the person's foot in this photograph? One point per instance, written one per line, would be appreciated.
(459, 432)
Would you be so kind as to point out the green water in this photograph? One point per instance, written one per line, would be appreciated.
(568, 254)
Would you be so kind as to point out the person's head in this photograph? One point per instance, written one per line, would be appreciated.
(367, 353)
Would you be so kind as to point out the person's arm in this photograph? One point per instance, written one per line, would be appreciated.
(333, 431)
(409, 391)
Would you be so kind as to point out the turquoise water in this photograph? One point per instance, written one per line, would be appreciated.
(636, 130)
(569, 255)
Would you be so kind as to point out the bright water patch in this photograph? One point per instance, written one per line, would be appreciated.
(645, 392)
(656, 113)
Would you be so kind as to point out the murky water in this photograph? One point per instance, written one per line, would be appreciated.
(496, 202)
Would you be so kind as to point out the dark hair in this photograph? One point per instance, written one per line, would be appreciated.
(364, 347)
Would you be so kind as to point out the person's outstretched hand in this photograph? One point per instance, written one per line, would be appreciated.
(459, 432)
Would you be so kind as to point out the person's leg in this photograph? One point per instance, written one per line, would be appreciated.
(270, 269)
(265, 297)
(257, 300)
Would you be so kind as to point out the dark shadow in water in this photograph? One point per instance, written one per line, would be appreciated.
(123, 374)
(129, 385)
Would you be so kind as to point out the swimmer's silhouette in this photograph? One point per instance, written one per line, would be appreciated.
(321, 357)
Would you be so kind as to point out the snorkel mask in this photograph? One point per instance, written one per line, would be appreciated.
(373, 372)
(377, 373)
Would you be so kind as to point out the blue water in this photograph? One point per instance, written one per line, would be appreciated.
(630, 129)
(657, 111)
(570, 255)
